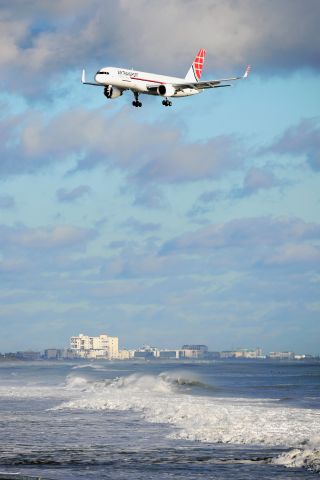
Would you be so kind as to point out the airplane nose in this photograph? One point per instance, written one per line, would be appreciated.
(98, 78)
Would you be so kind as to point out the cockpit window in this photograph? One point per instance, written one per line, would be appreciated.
(102, 73)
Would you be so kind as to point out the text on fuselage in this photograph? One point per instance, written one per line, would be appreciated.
(129, 73)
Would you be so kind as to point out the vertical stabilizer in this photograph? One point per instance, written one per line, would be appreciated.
(195, 71)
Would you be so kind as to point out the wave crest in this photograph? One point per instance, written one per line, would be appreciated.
(164, 399)
(308, 458)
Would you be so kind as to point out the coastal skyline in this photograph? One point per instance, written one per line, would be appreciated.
(104, 345)
(199, 223)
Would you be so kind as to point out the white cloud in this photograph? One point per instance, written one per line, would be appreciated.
(46, 238)
(244, 233)
(146, 152)
(43, 39)
(302, 140)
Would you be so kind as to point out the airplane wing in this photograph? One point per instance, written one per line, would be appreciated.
(211, 83)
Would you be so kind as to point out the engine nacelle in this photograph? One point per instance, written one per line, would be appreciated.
(166, 90)
(112, 92)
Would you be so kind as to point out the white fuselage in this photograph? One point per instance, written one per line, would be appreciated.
(128, 79)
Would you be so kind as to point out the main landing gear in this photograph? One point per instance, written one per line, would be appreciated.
(136, 102)
(166, 103)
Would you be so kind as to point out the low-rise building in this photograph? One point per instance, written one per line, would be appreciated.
(29, 355)
(193, 351)
(212, 355)
(54, 353)
(9, 356)
(299, 357)
(242, 353)
(281, 355)
(169, 354)
(144, 355)
(146, 352)
(125, 354)
(69, 354)
(227, 354)
(245, 353)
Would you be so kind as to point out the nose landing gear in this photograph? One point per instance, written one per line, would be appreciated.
(136, 102)
(166, 103)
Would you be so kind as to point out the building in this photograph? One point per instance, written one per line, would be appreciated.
(69, 354)
(300, 356)
(146, 352)
(242, 353)
(29, 355)
(53, 353)
(169, 354)
(281, 355)
(102, 346)
(8, 356)
(245, 353)
(113, 347)
(193, 351)
(213, 355)
(125, 354)
(144, 355)
(227, 354)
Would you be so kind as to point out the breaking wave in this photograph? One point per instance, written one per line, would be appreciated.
(135, 383)
(165, 399)
(93, 366)
(184, 380)
(307, 457)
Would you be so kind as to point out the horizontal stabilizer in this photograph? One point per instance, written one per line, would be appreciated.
(83, 80)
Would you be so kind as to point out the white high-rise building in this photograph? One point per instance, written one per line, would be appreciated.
(103, 346)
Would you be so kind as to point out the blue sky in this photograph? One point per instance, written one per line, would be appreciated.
(196, 223)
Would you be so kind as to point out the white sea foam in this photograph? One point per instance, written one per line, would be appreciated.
(93, 366)
(31, 391)
(19, 387)
(307, 457)
(73, 381)
(201, 418)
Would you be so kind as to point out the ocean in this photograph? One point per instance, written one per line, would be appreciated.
(160, 420)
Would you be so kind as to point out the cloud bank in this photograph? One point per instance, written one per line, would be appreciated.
(44, 39)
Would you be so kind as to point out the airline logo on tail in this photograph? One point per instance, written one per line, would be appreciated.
(197, 65)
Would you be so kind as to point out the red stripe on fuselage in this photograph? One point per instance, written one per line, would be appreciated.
(147, 80)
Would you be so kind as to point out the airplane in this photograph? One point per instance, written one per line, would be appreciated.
(116, 80)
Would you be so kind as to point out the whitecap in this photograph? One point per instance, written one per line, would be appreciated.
(201, 418)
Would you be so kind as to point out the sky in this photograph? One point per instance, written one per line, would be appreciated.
(196, 223)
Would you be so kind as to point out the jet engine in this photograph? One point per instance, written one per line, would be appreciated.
(166, 90)
(112, 92)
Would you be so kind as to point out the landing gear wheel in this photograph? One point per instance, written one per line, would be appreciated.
(136, 102)
(166, 103)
